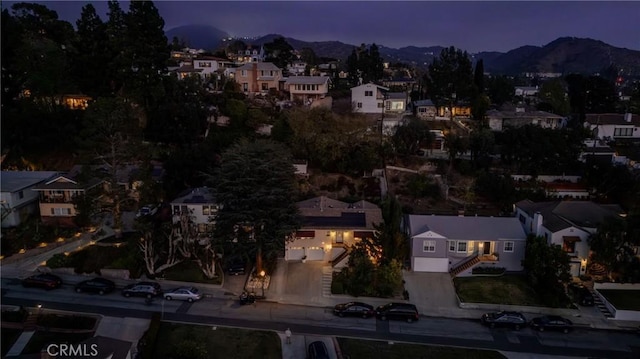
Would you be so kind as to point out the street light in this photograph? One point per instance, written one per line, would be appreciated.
(262, 278)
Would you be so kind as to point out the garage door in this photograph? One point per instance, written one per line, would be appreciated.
(294, 254)
(438, 265)
(315, 254)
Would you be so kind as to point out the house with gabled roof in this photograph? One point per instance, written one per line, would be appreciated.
(199, 204)
(457, 244)
(567, 224)
(17, 199)
(258, 77)
(57, 196)
(424, 109)
(614, 126)
(329, 228)
(501, 120)
(307, 88)
(368, 98)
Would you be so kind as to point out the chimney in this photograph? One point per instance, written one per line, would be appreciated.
(627, 117)
(537, 224)
(254, 80)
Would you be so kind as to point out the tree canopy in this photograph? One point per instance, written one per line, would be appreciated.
(450, 73)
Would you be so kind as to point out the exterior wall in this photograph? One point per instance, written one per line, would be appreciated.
(370, 104)
(19, 206)
(46, 208)
(608, 131)
(330, 241)
(254, 79)
(417, 249)
(208, 67)
(196, 210)
(395, 105)
(426, 112)
(495, 124)
(618, 314)
(303, 95)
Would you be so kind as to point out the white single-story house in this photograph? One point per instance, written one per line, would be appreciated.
(614, 126)
(329, 227)
(457, 244)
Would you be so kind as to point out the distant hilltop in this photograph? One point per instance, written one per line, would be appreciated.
(564, 55)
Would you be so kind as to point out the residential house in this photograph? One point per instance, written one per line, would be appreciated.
(258, 77)
(614, 126)
(406, 83)
(185, 70)
(17, 198)
(526, 91)
(460, 111)
(567, 224)
(251, 54)
(424, 109)
(307, 89)
(209, 65)
(57, 195)
(457, 244)
(199, 204)
(500, 120)
(395, 102)
(329, 227)
(297, 68)
(368, 98)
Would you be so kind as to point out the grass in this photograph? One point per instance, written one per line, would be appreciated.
(219, 343)
(7, 338)
(15, 316)
(188, 271)
(507, 289)
(365, 349)
(41, 339)
(622, 299)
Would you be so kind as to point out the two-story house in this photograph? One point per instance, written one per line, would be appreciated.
(208, 65)
(614, 126)
(17, 198)
(500, 120)
(567, 224)
(199, 205)
(368, 98)
(258, 77)
(456, 244)
(307, 88)
(329, 227)
(57, 196)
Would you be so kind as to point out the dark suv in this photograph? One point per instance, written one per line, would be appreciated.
(317, 350)
(581, 294)
(142, 289)
(514, 320)
(398, 311)
(44, 280)
(237, 267)
(96, 285)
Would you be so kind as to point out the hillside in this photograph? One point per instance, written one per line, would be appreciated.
(564, 55)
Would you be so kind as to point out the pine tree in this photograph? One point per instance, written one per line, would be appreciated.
(89, 62)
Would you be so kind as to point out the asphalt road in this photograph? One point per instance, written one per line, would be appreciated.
(581, 342)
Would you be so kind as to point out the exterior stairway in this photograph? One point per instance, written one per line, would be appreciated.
(464, 266)
(327, 277)
(599, 304)
(340, 258)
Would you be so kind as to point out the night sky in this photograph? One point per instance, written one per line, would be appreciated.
(473, 26)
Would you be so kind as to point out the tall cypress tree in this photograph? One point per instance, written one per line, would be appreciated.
(89, 62)
(478, 76)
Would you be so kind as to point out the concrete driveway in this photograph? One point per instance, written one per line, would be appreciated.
(297, 283)
(433, 293)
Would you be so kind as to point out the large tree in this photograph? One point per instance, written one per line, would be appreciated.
(553, 97)
(547, 268)
(611, 244)
(365, 64)
(410, 137)
(89, 63)
(450, 73)
(279, 52)
(255, 188)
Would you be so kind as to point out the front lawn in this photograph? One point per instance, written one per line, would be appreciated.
(41, 339)
(66, 321)
(622, 299)
(507, 289)
(204, 342)
(7, 338)
(188, 271)
(365, 349)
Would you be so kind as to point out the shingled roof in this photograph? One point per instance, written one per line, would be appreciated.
(559, 215)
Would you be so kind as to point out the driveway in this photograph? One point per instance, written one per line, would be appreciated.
(297, 283)
(433, 293)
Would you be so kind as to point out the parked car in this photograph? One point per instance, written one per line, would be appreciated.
(552, 322)
(317, 350)
(354, 309)
(398, 311)
(96, 285)
(581, 294)
(237, 267)
(44, 280)
(515, 320)
(148, 210)
(190, 294)
(142, 289)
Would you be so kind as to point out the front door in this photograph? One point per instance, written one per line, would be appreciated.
(486, 249)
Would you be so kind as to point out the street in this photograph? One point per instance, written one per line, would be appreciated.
(225, 310)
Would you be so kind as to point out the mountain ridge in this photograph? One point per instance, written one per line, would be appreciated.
(565, 54)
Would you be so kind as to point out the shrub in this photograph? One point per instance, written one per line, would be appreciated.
(488, 270)
(57, 261)
(147, 343)
(15, 316)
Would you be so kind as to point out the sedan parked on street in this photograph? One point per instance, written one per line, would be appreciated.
(513, 320)
(190, 294)
(552, 322)
(354, 309)
(44, 280)
(398, 311)
(96, 285)
(142, 289)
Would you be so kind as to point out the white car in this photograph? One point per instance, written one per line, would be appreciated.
(190, 294)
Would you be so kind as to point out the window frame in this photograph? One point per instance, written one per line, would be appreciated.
(505, 249)
(429, 246)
